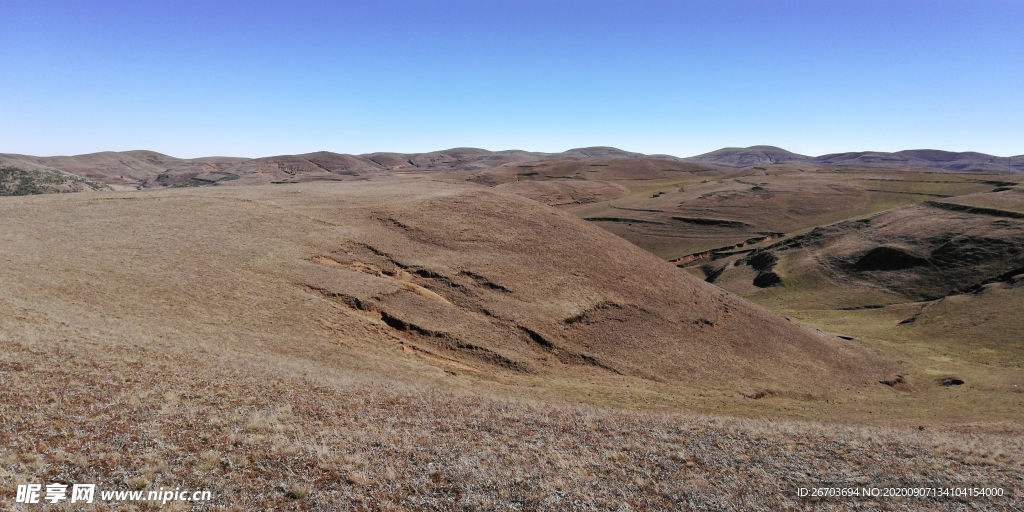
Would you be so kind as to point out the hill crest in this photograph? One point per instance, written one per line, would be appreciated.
(138, 169)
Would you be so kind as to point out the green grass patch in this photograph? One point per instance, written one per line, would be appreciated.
(15, 181)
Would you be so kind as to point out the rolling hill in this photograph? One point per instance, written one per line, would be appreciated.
(148, 169)
(927, 159)
(918, 159)
(426, 340)
(470, 279)
(748, 157)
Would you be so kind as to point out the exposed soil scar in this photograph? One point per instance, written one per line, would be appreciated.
(401, 276)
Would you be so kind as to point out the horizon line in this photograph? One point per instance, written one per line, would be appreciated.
(1009, 157)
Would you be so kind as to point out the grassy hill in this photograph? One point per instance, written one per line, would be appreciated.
(411, 341)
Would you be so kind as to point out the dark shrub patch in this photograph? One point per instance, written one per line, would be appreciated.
(767, 279)
(711, 272)
(888, 258)
(763, 261)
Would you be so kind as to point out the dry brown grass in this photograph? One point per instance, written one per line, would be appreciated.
(786, 198)
(176, 339)
(462, 274)
(140, 418)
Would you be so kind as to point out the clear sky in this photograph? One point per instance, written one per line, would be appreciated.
(258, 78)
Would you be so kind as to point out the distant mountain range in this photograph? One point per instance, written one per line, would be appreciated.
(900, 160)
(151, 169)
(145, 169)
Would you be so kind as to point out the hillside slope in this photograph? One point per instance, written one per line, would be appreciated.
(463, 278)
(927, 159)
(920, 252)
(406, 344)
(915, 159)
(746, 157)
(149, 169)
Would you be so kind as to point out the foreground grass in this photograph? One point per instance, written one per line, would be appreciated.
(261, 437)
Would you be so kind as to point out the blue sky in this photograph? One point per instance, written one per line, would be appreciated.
(259, 78)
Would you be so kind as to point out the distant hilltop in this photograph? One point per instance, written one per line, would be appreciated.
(149, 169)
(901, 160)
